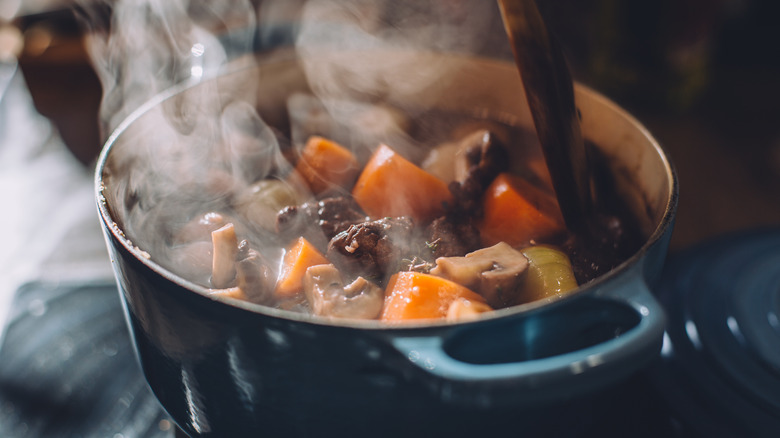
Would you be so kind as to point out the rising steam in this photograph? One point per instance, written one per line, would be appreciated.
(140, 48)
(201, 150)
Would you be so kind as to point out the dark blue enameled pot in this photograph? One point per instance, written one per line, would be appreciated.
(226, 368)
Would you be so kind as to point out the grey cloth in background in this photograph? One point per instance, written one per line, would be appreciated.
(49, 228)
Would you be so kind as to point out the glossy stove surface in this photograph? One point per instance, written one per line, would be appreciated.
(67, 368)
(720, 365)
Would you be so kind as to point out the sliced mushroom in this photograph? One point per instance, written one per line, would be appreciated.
(328, 296)
(254, 278)
(451, 161)
(440, 161)
(480, 151)
(468, 166)
(495, 272)
(471, 148)
(223, 270)
(502, 131)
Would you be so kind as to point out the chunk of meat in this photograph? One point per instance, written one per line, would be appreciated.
(328, 296)
(449, 236)
(372, 248)
(319, 221)
(476, 161)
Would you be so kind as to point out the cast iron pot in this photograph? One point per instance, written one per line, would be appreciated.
(228, 368)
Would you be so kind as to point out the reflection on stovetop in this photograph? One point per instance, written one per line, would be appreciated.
(67, 368)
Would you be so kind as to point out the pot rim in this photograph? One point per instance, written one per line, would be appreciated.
(109, 224)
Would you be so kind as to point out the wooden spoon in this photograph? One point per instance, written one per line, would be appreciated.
(550, 93)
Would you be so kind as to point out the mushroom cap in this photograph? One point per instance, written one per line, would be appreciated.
(328, 296)
(494, 272)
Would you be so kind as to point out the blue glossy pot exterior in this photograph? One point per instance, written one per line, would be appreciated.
(222, 369)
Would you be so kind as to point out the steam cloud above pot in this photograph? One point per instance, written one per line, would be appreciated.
(207, 167)
(205, 154)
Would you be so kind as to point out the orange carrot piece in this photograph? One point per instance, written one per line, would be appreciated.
(324, 164)
(414, 295)
(516, 212)
(301, 255)
(391, 186)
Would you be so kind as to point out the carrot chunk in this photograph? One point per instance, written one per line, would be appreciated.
(324, 164)
(391, 186)
(301, 255)
(516, 212)
(414, 295)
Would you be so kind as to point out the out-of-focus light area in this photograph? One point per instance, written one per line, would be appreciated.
(702, 76)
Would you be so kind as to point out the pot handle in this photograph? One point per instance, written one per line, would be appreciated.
(580, 344)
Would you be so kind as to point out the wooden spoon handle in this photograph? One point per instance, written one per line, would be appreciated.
(550, 93)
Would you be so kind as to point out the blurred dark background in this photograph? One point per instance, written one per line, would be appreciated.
(702, 75)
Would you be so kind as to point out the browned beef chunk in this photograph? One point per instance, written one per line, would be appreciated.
(331, 215)
(454, 234)
(372, 248)
(448, 237)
